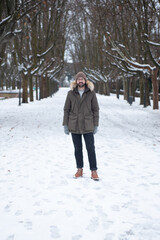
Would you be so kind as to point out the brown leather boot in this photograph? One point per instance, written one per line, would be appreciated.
(94, 175)
(79, 173)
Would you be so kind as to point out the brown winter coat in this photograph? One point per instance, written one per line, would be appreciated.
(81, 115)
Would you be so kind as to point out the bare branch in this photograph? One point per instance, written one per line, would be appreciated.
(134, 64)
(153, 43)
(45, 53)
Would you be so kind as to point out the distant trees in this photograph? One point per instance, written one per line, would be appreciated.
(33, 37)
(116, 42)
(120, 39)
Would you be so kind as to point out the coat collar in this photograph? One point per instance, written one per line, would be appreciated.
(89, 86)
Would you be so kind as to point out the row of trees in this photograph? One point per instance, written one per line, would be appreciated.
(32, 45)
(117, 43)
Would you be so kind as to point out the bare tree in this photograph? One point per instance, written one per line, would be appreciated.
(37, 43)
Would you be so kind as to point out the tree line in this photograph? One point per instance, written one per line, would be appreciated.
(32, 45)
(117, 43)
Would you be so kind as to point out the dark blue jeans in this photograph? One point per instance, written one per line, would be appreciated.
(89, 141)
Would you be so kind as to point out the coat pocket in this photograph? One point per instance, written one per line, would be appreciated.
(88, 123)
(72, 124)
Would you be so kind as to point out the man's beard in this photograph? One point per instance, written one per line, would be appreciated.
(81, 85)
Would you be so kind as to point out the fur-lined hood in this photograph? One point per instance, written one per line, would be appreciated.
(89, 84)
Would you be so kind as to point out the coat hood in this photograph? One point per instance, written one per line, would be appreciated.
(89, 84)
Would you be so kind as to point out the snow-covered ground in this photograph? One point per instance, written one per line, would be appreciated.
(40, 199)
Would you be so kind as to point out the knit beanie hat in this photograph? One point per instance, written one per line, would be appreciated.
(81, 74)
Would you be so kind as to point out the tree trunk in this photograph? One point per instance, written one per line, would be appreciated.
(43, 88)
(133, 89)
(155, 89)
(96, 87)
(40, 87)
(127, 89)
(117, 89)
(1, 83)
(141, 86)
(48, 87)
(36, 88)
(101, 88)
(146, 93)
(25, 89)
(31, 88)
(124, 88)
(104, 88)
(7, 85)
(125, 84)
(108, 88)
(13, 84)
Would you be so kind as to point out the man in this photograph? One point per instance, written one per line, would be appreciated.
(81, 117)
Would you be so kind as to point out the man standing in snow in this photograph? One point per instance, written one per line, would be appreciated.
(81, 117)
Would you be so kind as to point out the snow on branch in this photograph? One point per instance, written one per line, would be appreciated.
(113, 56)
(153, 43)
(48, 66)
(28, 10)
(16, 31)
(7, 36)
(132, 64)
(37, 68)
(44, 53)
(134, 69)
(51, 74)
(90, 76)
(5, 20)
(117, 65)
(95, 75)
(137, 65)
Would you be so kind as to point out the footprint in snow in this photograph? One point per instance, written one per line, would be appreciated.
(19, 212)
(93, 225)
(28, 225)
(77, 237)
(54, 232)
(64, 182)
(107, 224)
(126, 235)
(115, 208)
(60, 202)
(38, 213)
(36, 204)
(49, 212)
(101, 213)
(109, 236)
(7, 208)
(68, 213)
(11, 237)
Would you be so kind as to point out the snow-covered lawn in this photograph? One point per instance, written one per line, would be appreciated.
(40, 199)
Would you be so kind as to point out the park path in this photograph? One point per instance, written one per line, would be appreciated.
(40, 199)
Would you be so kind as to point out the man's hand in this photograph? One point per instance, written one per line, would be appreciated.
(95, 130)
(66, 130)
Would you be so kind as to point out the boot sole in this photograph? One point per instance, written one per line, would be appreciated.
(77, 177)
(95, 179)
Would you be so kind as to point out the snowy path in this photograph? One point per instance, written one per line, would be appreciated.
(40, 200)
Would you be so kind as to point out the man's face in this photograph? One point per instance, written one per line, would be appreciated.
(80, 82)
